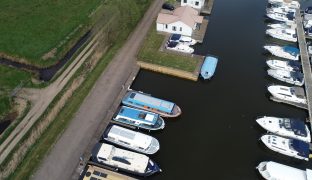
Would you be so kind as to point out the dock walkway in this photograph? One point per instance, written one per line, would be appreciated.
(306, 67)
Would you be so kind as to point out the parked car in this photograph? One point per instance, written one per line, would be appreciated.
(168, 6)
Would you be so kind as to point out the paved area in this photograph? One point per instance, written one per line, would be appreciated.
(63, 159)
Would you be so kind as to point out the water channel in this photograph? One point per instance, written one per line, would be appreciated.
(217, 137)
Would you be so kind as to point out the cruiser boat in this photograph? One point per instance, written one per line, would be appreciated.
(281, 17)
(124, 160)
(290, 77)
(149, 103)
(292, 94)
(287, 52)
(282, 10)
(293, 4)
(284, 65)
(130, 139)
(139, 118)
(289, 147)
(274, 171)
(209, 67)
(283, 34)
(182, 39)
(287, 127)
(282, 26)
(176, 46)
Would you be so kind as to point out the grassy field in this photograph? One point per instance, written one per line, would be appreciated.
(37, 152)
(150, 53)
(10, 78)
(30, 29)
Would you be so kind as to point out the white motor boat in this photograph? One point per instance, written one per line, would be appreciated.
(287, 127)
(124, 160)
(131, 139)
(292, 94)
(281, 9)
(288, 18)
(176, 46)
(290, 77)
(274, 171)
(284, 65)
(282, 26)
(289, 147)
(293, 4)
(182, 39)
(283, 34)
(287, 52)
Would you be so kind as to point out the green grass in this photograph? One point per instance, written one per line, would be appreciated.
(29, 29)
(37, 151)
(9, 79)
(150, 53)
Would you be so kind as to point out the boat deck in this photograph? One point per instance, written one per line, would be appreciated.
(299, 105)
(306, 67)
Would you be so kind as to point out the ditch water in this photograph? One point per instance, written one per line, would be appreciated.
(216, 137)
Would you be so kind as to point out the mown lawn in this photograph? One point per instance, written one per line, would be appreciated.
(29, 29)
(9, 79)
(150, 53)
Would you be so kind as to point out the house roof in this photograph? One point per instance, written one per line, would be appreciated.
(185, 14)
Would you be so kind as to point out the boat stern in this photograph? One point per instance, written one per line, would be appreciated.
(152, 168)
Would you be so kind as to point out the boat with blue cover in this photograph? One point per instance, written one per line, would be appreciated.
(209, 67)
(139, 118)
(287, 52)
(152, 104)
(287, 146)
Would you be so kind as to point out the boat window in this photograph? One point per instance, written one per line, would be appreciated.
(103, 159)
(120, 159)
(132, 95)
(270, 121)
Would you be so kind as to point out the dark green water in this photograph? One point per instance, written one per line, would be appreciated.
(216, 137)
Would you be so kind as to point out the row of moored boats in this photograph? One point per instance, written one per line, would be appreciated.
(126, 149)
(287, 136)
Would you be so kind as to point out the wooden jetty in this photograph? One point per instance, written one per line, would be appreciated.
(306, 67)
(207, 8)
(199, 34)
(299, 105)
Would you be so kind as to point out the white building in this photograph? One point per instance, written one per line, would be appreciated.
(197, 4)
(184, 20)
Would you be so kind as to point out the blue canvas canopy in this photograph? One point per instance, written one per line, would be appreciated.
(301, 147)
(208, 68)
(298, 127)
(290, 15)
(175, 37)
(291, 50)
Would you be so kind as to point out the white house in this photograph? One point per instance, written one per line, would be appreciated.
(184, 20)
(197, 4)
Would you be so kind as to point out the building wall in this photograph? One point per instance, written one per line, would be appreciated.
(180, 28)
(193, 3)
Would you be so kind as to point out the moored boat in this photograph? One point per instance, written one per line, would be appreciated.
(124, 160)
(282, 26)
(283, 34)
(275, 171)
(180, 47)
(152, 104)
(284, 65)
(130, 139)
(182, 39)
(139, 118)
(290, 77)
(292, 94)
(279, 3)
(288, 127)
(287, 146)
(281, 17)
(287, 52)
(209, 67)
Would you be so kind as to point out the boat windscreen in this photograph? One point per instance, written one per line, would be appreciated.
(122, 160)
(301, 147)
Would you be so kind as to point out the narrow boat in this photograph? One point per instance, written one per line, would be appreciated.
(288, 127)
(281, 17)
(284, 65)
(289, 147)
(139, 118)
(149, 103)
(124, 160)
(293, 4)
(180, 47)
(292, 94)
(209, 67)
(274, 171)
(130, 139)
(290, 77)
(287, 52)
(283, 34)
(182, 39)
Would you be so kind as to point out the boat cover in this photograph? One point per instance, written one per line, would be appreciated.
(297, 75)
(296, 125)
(298, 91)
(290, 15)
(294, 64)
(208, 68)
(172, 44)
(308, 10)
(301, 147)
(291, 50)
(175, 37)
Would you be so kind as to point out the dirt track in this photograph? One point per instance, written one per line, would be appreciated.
(64, 157)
